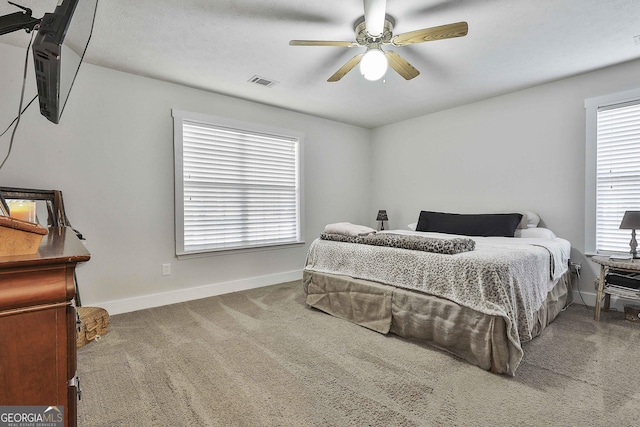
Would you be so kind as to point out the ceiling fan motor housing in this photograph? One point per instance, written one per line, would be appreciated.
(364, 38)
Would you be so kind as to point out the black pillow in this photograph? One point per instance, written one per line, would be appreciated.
(469, 224)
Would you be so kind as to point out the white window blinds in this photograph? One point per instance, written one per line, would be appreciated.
(240, 188)
(617, 173)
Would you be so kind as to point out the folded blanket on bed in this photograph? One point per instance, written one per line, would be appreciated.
(348, 229)
(451, 246)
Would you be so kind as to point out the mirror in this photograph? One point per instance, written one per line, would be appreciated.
(44, 207)
(31, 210)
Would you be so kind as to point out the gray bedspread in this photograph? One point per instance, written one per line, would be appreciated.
(504, 277)
(450, 246)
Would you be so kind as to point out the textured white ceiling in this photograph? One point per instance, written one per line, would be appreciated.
(219, 45)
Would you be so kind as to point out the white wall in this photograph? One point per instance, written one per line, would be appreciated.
(520, 151)
(112, 157)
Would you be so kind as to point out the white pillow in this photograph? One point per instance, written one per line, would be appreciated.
(413, 226)
(532, 219)
(535, 233)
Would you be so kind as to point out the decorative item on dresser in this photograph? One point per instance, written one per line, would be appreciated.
(19, 237)
(38, 324)
(382, 217)
(4, 207)
(631, 221)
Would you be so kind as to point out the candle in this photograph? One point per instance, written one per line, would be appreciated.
(22, 209)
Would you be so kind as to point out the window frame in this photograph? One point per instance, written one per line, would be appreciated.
(591, 106)
(178, 117)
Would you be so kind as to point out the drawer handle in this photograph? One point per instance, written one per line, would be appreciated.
(75, 382)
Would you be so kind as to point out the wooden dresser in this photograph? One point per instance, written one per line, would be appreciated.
(38, 324)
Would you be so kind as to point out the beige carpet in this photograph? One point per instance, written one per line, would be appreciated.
(263, 358)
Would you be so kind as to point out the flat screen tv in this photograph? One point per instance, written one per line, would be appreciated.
(58, 50)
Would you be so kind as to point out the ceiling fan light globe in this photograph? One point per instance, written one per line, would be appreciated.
(373, 65)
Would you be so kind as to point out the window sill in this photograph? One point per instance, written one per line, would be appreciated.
(233, 251)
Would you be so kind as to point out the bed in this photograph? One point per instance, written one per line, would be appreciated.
(478, 297)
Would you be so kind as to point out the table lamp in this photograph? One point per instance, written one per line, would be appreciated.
(631, 221)
(382, 216)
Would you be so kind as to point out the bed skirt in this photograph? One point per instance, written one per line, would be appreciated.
(476, 337)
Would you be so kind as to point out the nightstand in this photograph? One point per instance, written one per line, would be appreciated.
(618, 265)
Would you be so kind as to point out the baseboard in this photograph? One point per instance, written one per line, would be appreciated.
(182, 295)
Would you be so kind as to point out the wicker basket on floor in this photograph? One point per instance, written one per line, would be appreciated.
(632, 312)
(94, 323)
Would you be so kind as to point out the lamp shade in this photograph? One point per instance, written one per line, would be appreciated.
(374, 64)
(630, 221)
(382, 215)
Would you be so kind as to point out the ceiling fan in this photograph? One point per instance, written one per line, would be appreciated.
(374, 30)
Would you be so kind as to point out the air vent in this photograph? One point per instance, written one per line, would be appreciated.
(262, 81)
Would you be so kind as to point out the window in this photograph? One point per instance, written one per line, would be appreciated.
(237, 184)
(613, 169)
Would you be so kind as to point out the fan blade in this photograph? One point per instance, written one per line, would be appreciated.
(321, 43)
(346, 68)
(459, 29)
(401, 66)
(374, 13)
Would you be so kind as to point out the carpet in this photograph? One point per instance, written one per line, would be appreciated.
(263, 358)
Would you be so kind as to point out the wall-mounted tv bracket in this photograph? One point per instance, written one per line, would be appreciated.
(18, 21)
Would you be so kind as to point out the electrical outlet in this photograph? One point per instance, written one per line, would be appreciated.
(166, 269)
(575, 267)
(636, 40)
